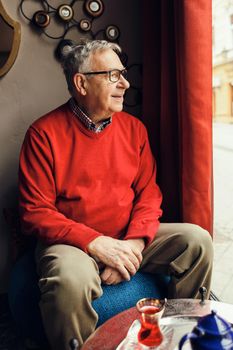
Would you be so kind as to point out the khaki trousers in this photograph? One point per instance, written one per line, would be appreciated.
(69, 278)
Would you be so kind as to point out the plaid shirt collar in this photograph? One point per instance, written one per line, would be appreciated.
(89, 124)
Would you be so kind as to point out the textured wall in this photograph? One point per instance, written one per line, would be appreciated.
(35, 85)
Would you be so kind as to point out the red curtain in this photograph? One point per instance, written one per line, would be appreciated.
(177, 106)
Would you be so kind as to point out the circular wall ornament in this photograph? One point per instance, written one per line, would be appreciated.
(85, 25)
(65, 12)
(41, 19)
(112, 33)
(63, 48)
(94, 8)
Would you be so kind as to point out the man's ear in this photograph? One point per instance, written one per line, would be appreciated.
(80, 84)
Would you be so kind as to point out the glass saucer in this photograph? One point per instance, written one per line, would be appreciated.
(131, 340)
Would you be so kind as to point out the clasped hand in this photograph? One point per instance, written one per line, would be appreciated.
(121, 258)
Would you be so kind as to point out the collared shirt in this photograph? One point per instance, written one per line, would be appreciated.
(89, 124)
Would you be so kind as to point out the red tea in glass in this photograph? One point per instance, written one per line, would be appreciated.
(151, 311)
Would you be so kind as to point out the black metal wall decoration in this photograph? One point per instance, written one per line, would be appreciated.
(64, 15)
(41, 19)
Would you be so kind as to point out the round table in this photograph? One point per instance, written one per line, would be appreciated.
(109, 335)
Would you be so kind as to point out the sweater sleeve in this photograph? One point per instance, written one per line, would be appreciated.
(37, 197)
(144, 221)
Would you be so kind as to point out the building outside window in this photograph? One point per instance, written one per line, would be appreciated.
(223, 60)
(222, 283)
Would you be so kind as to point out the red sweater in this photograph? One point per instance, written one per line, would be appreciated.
(76, 185)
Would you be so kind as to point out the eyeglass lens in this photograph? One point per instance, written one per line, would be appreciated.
(114, 75)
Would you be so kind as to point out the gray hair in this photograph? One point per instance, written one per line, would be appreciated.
(77, 58)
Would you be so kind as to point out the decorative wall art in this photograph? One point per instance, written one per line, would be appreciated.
(65, 16)
(10, 40)
(58, 22)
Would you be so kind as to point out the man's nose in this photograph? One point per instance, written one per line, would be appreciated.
(123, 82)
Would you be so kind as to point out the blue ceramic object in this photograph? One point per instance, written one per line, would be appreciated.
(211, 333)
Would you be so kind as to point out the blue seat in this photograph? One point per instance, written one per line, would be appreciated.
(24, 296)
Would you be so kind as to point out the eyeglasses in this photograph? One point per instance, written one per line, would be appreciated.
(113, 75)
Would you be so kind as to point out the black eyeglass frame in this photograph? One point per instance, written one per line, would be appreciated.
(122, 72)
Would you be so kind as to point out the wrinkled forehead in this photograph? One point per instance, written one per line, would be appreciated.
(105, 59)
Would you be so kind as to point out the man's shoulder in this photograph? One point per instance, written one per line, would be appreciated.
(54, 118)
(128, 120)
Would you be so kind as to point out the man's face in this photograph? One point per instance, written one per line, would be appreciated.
(104, 97)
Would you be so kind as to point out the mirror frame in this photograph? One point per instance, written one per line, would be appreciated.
(16, 40)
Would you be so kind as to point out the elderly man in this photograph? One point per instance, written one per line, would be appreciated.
(88, 192)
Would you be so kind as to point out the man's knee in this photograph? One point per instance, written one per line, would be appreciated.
(197, 238)
(192, 266)
(79, 278)
(194, 244)
(69, 273)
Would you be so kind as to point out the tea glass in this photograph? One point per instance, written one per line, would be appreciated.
(151, 310)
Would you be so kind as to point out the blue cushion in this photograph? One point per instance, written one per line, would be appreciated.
(126, 294)
(24, 296)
